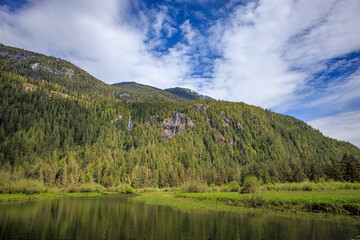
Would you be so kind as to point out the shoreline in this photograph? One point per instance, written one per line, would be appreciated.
(279, 206)
(177, 201)
(22, 197)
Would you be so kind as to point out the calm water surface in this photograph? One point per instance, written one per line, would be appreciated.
(114, 217)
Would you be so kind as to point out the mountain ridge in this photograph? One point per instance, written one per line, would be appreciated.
(150, 139)
(187, 93)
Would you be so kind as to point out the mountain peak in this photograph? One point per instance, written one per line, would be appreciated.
(187, 93)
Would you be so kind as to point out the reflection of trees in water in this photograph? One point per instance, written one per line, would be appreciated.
(115, 218)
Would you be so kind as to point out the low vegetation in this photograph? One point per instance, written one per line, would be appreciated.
(312, 186)
(14, 184)
(337, 202)
(25, 197)
(339, 198)
(196, 186)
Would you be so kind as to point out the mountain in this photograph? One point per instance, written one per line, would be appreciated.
(140, 92)
(64, 78)
(187, 93)
(60, 125)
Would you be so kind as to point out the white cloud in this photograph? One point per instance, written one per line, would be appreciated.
(338, 93)
(344, 126)
(336, 32)
(188, 31)
(98, 37)
(261, 43)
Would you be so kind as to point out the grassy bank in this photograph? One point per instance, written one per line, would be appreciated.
(343, 202)
(25, 197)
(327, 205)
(28, 190)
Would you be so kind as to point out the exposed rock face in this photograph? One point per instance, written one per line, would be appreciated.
(60, 72)
(240, 127)
(187, 93)
(177, 124)
(35, 66)
(117, 118)
(16, 56)
(68, 71)
(124, 96)
(218, 134)
(226, 121)
(200, 108)
(151, 120)
(129, 124)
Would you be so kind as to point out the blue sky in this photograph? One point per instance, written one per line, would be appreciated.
(295, 57)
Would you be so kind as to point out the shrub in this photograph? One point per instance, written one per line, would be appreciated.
(196, 186)
(255, 199)
(129, 189)
(122, 188)
(307, 187)
(91, 188)
(28, 186)
(232, 187)
(250, 184)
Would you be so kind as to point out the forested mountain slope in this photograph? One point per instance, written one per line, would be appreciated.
(62, 77)
(62, 126)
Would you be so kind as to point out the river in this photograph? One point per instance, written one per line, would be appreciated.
(117, 217)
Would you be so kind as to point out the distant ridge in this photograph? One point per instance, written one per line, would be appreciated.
(187, 93)
(141, 92)
(177, 94)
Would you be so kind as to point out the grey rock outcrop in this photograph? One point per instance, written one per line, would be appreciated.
(177, 124)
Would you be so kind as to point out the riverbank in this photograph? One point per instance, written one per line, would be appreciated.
(26, 197)
(339, 205)
(326, 205)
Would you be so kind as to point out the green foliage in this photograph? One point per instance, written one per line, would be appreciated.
(250, 184)
(87, 188)
(122, 188)
(232, 186)
(13, 184)
(328, 201)
(195, 186)
(312, 186)
(348, 169)
(68, 131)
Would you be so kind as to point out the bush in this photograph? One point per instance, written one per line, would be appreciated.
(232, 187)
(307, 186)
(91, 188)
(196, 186)
(255, 199)
(250, 185)
(122, 188)
(13, 183)
(129, 189)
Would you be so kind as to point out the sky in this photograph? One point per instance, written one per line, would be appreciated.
(295, 57)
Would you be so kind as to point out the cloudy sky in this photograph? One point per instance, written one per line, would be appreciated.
(296, 57)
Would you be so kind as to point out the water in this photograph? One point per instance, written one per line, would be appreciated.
(114, 217)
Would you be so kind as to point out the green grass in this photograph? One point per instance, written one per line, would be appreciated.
(338, 202)
(338, 205)
(329, 197)
(312, 186)
(23, 196)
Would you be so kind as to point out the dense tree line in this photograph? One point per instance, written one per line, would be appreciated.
(66, 130)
